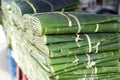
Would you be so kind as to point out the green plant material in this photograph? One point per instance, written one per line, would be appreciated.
(83, 57)
(83, 65)
(0, 17)
(60, 67)
(82, 50)
(61, 23)
(95, 76)
(43, 55)
(64, 38)
(45, 6)
(100, 70)
(16, 8)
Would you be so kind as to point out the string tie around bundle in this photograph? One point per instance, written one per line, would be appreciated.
(89, 42)
(97, 45)
(50, 4)
(97, 28)
(67, 17)
(94, 71)
(77, 39)
(95, 68)
(90, 63)
(77, 20)
(32, 6)
(84, 78)
(76, 60)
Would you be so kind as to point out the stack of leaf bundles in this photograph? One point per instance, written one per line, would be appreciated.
(16, 8)
(74, 46)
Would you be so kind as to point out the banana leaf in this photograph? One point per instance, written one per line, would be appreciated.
(60, 23)
(95, 76)
(64, 38)
(83, 65)
(82, 50)
(83, 57)
(44, 5)
(62, 47)
(100, 70)
(61, 68)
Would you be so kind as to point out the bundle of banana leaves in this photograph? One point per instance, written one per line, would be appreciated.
(16, 8)
(70, 22)
(72, 45)
(62, 45)
(94, 65)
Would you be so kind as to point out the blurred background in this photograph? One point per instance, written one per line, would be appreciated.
(100, 6)
(4, 67)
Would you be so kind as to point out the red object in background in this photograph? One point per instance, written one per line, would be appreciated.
(99, 2)
(18, 73)
(24, 77)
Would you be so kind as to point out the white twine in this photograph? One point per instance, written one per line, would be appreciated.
(62, 10)
(56, 77)
(78, 44)
(77, 39)
(91, 64)
(31, 5)
(21, 2)
(52, 7)
(89, 42)
(95, 70)
(97, 28)
(69, 21)
(84, 77)
(76, 60)
(77, 20)
(98, 44)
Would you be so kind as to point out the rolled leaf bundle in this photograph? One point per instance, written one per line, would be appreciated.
(74, 44)
(86, 76)
(61, 63)
(70, 22)
(16, 8)
(52, 70)
(57, 65)
(100, 65)
(107, 42)
(49, 39)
